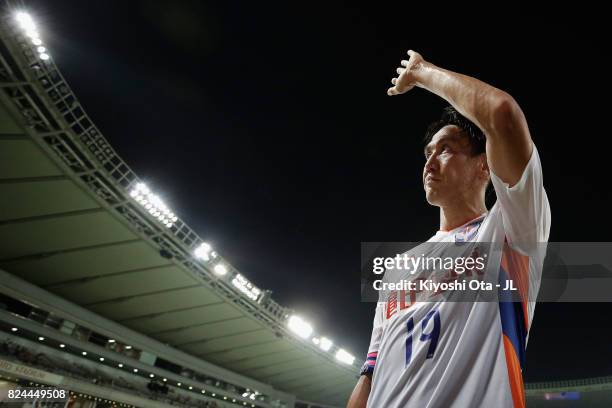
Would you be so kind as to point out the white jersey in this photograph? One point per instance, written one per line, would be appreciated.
(440, 353)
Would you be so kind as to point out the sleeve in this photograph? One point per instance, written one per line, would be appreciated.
(524, 207)
(377, 328)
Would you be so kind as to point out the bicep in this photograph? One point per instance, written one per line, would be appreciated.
(509, 144)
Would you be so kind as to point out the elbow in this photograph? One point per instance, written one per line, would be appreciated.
(505, 112)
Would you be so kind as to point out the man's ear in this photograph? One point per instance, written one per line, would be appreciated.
(484, 166)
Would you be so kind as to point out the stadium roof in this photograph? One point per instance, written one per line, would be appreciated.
(75, 223)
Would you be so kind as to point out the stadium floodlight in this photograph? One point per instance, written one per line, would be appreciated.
(325, 344)
(143, 188)
(345, 357)
(25, 21)
(251, 291)
(142, 194)
(157, 202)
(203, 251)
(300, 327)
(220, 269)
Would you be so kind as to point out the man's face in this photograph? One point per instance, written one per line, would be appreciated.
(451, 173)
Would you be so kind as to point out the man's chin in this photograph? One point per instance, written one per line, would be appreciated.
(433, 197)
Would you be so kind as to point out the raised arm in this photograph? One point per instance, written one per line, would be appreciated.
(494, 111)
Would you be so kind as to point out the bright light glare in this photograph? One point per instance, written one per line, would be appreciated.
(153, 204)
(25, 21)
(220, 269)
(246, 287)
(325, 344)
(203, 251)
(345, 357)
(300, 327)
(143, 188)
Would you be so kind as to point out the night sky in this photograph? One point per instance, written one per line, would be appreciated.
(267, 128)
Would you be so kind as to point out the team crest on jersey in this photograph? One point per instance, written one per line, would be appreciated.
(468, 232)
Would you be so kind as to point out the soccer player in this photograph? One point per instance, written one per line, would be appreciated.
(465, 354)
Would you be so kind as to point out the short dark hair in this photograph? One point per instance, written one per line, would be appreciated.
(450, 116)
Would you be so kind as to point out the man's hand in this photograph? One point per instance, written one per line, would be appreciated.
(407, 78)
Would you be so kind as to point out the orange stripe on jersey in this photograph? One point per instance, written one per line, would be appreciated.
(515, 375)
(516, 266)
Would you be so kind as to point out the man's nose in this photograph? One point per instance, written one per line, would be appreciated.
(430, 164)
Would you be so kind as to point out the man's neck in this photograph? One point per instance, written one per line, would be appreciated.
(456, 216)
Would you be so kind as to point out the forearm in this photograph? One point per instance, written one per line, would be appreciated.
(361, 392)
(482, 103)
